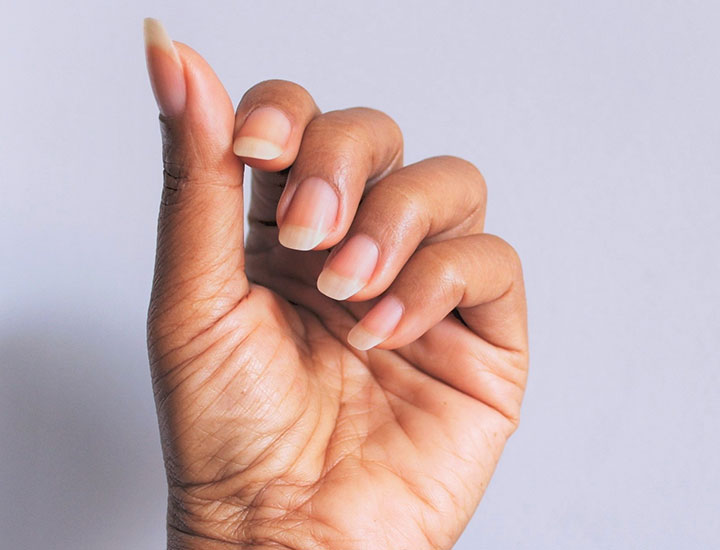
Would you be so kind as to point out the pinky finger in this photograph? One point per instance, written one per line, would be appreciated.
(480, 275)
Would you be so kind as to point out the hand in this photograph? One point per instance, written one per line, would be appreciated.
(277, 432)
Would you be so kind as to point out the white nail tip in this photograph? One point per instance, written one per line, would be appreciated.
(362, 339)
(338, 287)
(156, 35)
(256, 148)
(300, 238)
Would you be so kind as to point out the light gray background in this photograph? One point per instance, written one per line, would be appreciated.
(597, 127)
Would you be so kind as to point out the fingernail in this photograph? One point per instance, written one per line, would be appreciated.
(263, 135)
(350, 268)
(167, 77)
(377, 325)
(310, 216)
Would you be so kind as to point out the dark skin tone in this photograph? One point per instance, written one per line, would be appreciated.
(276, 431)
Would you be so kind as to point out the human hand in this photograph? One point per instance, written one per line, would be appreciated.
(277, 432)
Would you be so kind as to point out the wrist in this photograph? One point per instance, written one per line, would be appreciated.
(181, 540)
(191, 529)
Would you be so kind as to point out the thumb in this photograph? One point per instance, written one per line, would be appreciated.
(199, 267)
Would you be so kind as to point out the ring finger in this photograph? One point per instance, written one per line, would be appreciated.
(430, 201)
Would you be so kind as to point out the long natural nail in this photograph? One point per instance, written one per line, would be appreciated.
(263, 135)
(310, 216)
(378, 325)
(350, 268)
(167, 77)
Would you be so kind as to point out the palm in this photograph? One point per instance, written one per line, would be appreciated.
(277, 421)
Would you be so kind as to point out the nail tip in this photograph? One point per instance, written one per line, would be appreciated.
(337, 287)
(335, 295)
(260, 149)
(299, 238)
(149, 23)
(155, 34)
(359, 346)
(362, 339)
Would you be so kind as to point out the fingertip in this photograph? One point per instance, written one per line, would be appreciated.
(269, 124)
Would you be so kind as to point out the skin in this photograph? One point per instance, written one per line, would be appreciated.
(276, 432)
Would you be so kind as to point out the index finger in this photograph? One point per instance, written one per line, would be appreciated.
(269, 124)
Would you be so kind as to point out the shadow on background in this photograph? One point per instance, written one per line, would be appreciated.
(80, 462)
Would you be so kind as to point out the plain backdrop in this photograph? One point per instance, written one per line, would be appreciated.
(596, 125)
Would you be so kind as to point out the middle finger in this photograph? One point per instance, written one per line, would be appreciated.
(341, 152)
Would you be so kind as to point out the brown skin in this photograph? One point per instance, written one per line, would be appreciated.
(277, 433)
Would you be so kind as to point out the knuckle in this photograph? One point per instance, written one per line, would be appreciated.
(357, 124)
(367, 113)
(332, 121)
(513, 256)
(438, 265)
(465, 168)
(345, 130)
(405, 206)
(359, 139)
(275, 89)
(174, 180)
(182, 168)
(458, 177)
(370, 115)
(341, 122)
(508, 251)
(346, 140)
